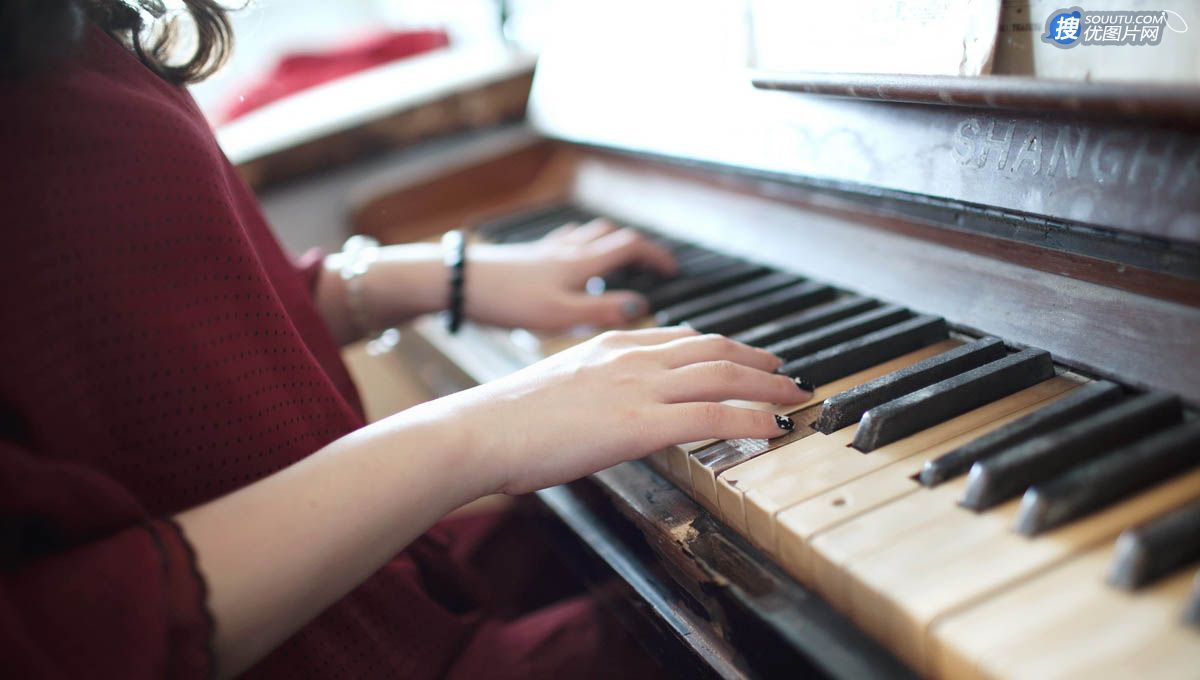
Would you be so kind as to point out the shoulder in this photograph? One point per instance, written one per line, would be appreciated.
(98, 111)
(103, 168)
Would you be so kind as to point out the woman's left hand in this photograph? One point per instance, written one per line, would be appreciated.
(538, 285)
(541, 285)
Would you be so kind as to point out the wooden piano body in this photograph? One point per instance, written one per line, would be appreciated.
(1004, 207)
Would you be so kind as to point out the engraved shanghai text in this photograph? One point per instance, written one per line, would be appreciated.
(1167, 164)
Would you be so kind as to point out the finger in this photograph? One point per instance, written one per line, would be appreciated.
(593, 230)
(562, 233)
(617, 308)
(695, 421)
(625, 247)
(722, 380)
(658, 335)
(712, 347)
(577, 234)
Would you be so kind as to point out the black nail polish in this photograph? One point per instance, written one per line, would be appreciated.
(804, 384)
(785, 423)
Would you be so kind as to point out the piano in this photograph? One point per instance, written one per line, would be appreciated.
(993, 285)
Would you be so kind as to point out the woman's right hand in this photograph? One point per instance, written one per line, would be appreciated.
(611, 399)
(277, 552)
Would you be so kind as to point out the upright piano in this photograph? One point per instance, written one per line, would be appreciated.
(993, 285)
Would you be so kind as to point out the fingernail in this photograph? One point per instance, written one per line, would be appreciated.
(804, 385)
(632, 309)
(785, 423)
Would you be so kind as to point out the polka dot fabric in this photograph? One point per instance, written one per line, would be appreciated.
(150, 306)
(160, 350)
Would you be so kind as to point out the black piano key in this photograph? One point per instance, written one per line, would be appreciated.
(838, 332)
(1011, 471)
(866, 351)
(1083, 400)
(1191, 610)
(1108, 479)
(680, 249)
(631, 278)
(846, 408)
(721, 276)
(644, 280)
(804, 321)
(1152, 550)
(951, 397)
(754, 288)
(497, 230)
(700, 261)
(747, 313)
(535, 229)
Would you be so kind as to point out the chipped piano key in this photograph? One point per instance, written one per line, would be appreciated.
(729, 452)
(725, 454)
(750, 312)
(868, 350)
(804, 321)
(838, 332)
(953, 396)
(1087, 399)
(1011, 471)
(1108, 479)
(1147, 552)
(678, 313)
(727, 273)
(846, 408)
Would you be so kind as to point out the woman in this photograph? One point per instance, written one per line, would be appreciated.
(186, 484)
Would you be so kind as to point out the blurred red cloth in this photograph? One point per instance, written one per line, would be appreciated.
(302, 70)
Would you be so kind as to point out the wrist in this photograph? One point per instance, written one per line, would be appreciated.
(407, 281)
(438, 434)
(331, 301)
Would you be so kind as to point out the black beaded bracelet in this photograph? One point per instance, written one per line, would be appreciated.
(454, 246)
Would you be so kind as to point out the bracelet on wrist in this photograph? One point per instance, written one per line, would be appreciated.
(358, 254)
(454, 254)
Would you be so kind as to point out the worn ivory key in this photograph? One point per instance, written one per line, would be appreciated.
(728, 495)
(799, 524)
(820, 468)
(1064, 622)
(901, 567)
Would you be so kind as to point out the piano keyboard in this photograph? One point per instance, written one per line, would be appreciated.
(976, 508)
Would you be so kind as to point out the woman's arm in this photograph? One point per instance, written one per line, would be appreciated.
(279, 551)
(537, 285)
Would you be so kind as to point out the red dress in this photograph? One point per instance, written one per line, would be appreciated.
(159, 350)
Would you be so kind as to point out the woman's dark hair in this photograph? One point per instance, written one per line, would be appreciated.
(34, 33)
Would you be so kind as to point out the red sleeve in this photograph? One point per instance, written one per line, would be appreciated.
(79, 599)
